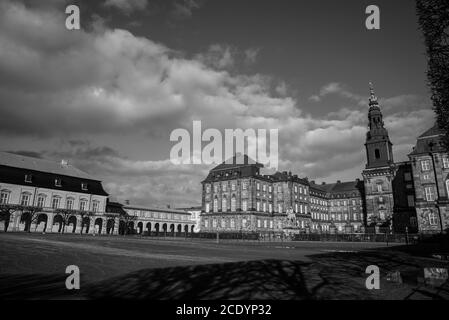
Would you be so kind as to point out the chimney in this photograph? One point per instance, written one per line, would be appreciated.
(127, 202)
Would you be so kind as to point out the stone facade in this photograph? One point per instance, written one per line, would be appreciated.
(430, 163)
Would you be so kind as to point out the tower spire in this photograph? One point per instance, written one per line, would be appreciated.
(372, 98)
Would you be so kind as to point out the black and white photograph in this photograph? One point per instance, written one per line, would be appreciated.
(213, 151)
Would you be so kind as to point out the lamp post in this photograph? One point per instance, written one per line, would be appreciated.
(431, 144)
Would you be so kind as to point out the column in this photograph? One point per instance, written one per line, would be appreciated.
(92, 226)
(48, 228)
(116, 226)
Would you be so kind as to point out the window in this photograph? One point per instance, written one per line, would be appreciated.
(28, 178)
(215, 204)
(270, 208)
(379, 188)
(271, 224)
(381, 199)
(206, 223)
(58, 182)
(216, 188)
(207, 209)
(447, 187)
(207, 188)
(223, 223)
(257, 206)
(244, 205)
(244, 223)
(83, 205)
(446, 162)
(377, 153)
(265, 224)
(279, 189)
(224, 204)
(244, 185)
(69, 204)
(233, 186)
(426, 177)
(4, 197)
(269, 188)
(55, 202)
(432, 218)
(279, 208)
(264, 188)
(411, 200)
(425, 165)
(430, 195)
(41, 201)
(25, 200)
(233, 204)
(224, 187)
(258, 186)
(95, 206)
(296, 207)
(84, 186)
(258, 223)
(232, 224)
(296, 189)
(264, 207)
(214, 223)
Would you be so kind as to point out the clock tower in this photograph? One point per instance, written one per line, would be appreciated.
(380, 168)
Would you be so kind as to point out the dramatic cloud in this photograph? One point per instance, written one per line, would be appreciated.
(127, 6)
(102, 84)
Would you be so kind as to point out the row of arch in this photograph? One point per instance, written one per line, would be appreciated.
(148, 227)
(83, 225)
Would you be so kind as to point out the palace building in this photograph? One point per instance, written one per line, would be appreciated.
(409, 196)
(47, 196)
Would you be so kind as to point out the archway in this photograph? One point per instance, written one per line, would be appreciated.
(164, 228)
(121, 227)
(72, 220)
(179, 228)
(41, 223)
(98, 225)
(172, 229)
(149, 228)
(140, 227)
(192, 228)
(156, 228)
(130, 227)
(110, 226)
(85, 225)
(186, 228)
(59, 221)
(25, 221)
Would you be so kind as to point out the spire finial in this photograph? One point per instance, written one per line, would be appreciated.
(373, 98)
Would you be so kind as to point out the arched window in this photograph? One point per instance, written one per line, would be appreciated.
(377, 153)
(69, 204)
(215, 204)
(233, 204)
(95, 205)
(224, 204)
(55, 202)
(83, 205)
(41, 200)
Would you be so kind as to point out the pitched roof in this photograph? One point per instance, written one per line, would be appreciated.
(237, 161)
(434, 131)
(42, 165)
(339, 187)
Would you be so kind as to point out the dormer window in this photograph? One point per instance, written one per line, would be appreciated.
(28, 178)
(58, 182)
(84, 186)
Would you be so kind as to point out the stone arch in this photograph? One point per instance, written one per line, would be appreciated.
(130, 227)
(72, 220)
(148, 226)
(186, 228)
(179, 228)
(98, 222)
(121, 227)
(85, 225)
(41, 223)
(172, 228)
(156, 227)
(164, 227)
(57, 220)
(110, 224)
(140, 227)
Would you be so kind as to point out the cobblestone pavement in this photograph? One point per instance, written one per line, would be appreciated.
(33, 266)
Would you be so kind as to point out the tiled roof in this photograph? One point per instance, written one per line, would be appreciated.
(339, 187)
(434, 131)
(237, 161)
(42, 165)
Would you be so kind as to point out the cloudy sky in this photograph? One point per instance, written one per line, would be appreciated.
(107, 97)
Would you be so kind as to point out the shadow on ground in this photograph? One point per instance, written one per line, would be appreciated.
(328, 276)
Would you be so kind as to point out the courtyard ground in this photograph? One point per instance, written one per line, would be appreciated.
(32, 266)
